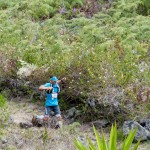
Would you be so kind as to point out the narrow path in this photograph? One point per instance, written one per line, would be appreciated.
(41, 138)
(23, 111)
(35, 138)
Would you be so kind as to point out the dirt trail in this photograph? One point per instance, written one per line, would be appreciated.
(40, 138)
(34, 138)
(24, 111)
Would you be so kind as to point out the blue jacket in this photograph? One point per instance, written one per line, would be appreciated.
(52, 97)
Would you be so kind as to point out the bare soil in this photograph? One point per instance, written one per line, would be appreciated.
(35, 138)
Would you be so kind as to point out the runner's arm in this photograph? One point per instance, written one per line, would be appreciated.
(63, 79)
(42, 87)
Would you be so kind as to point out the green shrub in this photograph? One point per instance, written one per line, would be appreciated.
(5, 4)
(3, 102)
(109, 49)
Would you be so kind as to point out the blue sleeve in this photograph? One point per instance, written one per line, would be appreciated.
(47, 85)
(58, 88)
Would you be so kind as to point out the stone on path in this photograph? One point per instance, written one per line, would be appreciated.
(142, 133)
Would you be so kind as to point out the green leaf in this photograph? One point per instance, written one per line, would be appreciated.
(79, 145)
(129, 140)
(137, 144)
(99, 143)
(113, 137)
(104, 142)
(91, 145)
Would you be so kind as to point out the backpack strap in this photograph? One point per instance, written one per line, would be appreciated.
(57, 86)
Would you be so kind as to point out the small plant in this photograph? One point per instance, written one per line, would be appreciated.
(73, 128)
(3, 110)
(103, 145)
(45, 135)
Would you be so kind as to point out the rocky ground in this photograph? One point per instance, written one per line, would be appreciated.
(15, 138)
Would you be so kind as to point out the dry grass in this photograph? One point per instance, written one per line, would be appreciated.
(44, 138)
(34, 138)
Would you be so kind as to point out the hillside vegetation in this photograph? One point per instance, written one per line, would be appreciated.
(101, 47)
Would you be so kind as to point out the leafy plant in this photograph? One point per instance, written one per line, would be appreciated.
(102, 144)
(45, 136)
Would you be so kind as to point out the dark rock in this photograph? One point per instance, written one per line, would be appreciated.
(70, 113)
(77, 113)
(142, 133)
(145, 123)
(26, 125)
(4, 141)
(91, 102)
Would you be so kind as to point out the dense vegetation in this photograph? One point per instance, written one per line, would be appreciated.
(96, 48)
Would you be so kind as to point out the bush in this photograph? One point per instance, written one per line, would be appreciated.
(108, 50)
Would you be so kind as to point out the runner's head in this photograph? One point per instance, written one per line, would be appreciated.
(53, 79)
